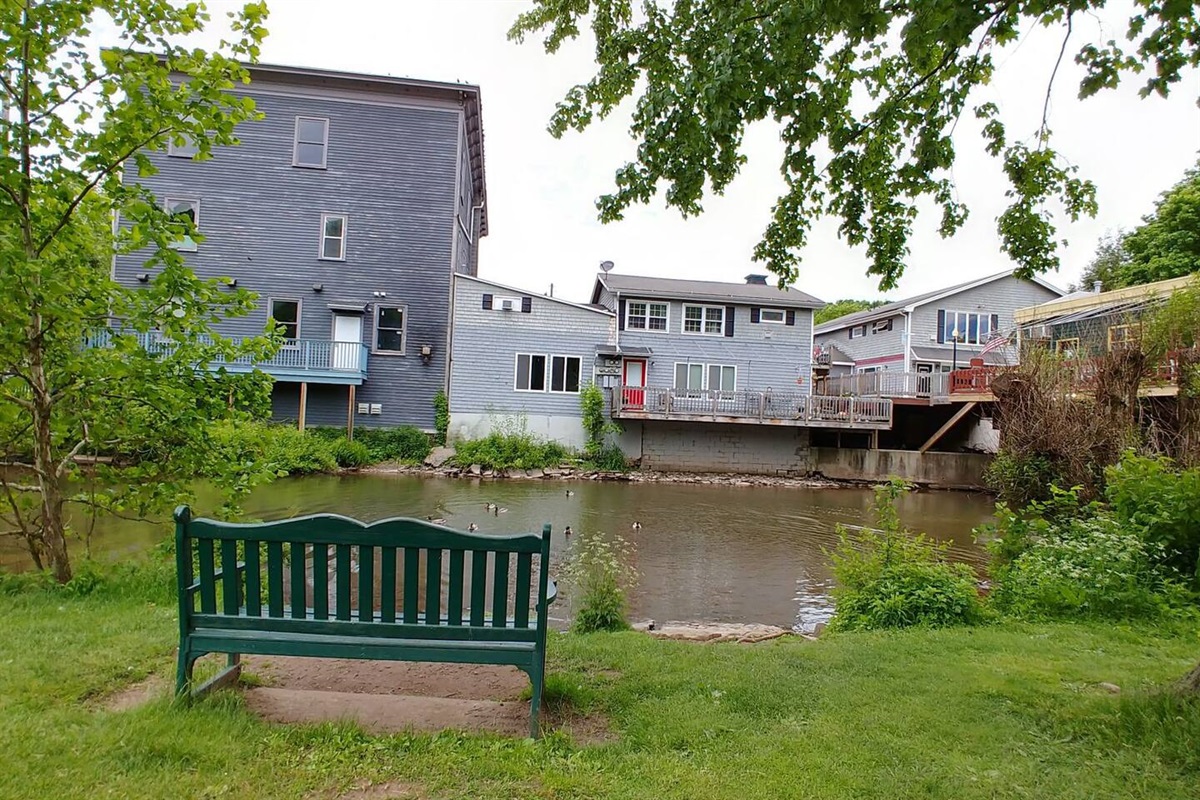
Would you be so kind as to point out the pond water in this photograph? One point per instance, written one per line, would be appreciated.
(704, 552)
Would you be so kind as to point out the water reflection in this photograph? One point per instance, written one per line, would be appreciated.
(718, 553)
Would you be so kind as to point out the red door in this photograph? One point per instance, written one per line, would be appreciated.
(633, 377)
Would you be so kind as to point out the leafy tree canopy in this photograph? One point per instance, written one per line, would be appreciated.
(1166, 244)
(105, 402)
(867, 95)
(840, 308)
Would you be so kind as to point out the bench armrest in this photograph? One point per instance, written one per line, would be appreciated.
(195, 587)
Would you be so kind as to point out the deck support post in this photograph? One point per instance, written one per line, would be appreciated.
(875, 439)
(350, 415)
(303, 405)
(950, 423)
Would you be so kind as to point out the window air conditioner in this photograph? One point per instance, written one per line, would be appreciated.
(507, 303)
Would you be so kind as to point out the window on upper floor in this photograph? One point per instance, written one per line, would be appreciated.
(858, 331)
(285, 314)
(642, 316)
(1122, 336)
(333, 237)
(881, 325)
(773, 315)
(186, 212)
(707, 320)
(967, 327)
(180, 145)
(389, 329)
(311, 142)
(1067, 348)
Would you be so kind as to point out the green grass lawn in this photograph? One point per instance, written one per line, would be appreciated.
(1002, 711)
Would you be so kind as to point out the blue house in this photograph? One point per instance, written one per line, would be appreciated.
(348, 209)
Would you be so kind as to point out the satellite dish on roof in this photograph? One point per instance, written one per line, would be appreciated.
(607, 265)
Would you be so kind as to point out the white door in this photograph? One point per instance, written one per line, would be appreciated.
(347, 341)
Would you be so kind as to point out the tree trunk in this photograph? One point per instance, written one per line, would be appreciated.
(53, 533)
(1190, 683)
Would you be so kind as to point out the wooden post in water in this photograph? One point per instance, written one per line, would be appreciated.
(350, 415)
(303, 404)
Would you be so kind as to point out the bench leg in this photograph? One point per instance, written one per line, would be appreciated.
(537, 677)
(183, 672)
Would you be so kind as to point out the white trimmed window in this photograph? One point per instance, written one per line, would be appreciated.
(285, 314)
(180, 145)
(970, 327)
(858, 331)
(881, 325)
(696, 377)
(642, 316)
(772, 315)
(389, 329)
(311, 143)
(706, 320)
(186, 211)
(333, 237)
(537, 372)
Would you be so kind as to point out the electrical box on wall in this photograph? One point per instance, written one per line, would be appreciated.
(376, 408)
(364, 408)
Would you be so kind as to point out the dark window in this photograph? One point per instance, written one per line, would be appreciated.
(312, 139)
(564, 374)
(389, 329)
(531, 373)
(286, 314)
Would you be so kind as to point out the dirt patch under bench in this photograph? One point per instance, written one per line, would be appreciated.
(392, 697)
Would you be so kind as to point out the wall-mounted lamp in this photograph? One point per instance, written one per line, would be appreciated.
(143, 277)
(426, 353)
(318, 287)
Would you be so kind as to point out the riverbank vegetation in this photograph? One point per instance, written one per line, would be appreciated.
(1014, 711)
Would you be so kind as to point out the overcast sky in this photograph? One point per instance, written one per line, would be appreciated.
(542, 191)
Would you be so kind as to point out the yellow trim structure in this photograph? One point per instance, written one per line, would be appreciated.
(1146, 291)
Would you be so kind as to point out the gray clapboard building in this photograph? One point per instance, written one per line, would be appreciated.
(348, 209)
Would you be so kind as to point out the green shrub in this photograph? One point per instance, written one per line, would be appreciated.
(595, 423)
(441, 416)
(405, 443)
(893, 578)
(1153, 499)
(499, 450)
(608, 458)
(282, 449)
(599, 574)
(351, 455)
(1021, 480)
(1082, 568)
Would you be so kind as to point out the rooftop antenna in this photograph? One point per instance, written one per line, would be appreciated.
(607, 266)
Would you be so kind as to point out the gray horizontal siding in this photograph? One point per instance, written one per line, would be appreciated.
(392, 170)
(766, 355)
(871, 345)
(1002, 297)
(486, 342)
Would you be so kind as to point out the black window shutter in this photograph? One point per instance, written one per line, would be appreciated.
(487, 301)
(621, 314)
(791, 316)
(526, 305)
(995, 327)
(753, 315)
(729, 320)
(941, 331)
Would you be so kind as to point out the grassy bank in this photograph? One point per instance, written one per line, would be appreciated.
(1010, 711)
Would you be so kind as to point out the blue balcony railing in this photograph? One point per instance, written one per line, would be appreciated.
(307, 360)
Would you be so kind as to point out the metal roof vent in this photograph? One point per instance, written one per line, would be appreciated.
(756, 280)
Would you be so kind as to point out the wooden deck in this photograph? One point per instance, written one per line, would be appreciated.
(787, 409)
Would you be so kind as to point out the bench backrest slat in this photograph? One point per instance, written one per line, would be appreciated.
(253, 581)
(299, 580)
(274, 579)
(454, 590)
(387, 584)
(366, 584)
(500, 590)
(320, 573)
(478, 587)
(524, 576)
(333, 569)
(433, 587)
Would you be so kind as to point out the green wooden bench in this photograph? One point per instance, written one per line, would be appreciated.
(398, 589)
